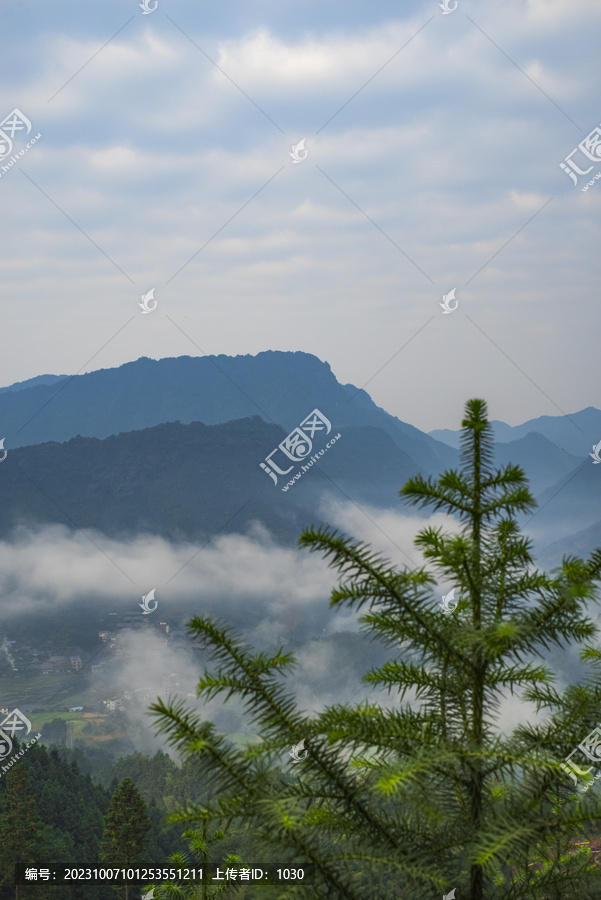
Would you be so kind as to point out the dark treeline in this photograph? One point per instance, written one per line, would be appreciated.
(53, 812)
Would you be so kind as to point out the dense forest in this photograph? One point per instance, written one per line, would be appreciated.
(54, 806)
(53, 810)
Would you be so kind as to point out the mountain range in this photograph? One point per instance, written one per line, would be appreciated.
(174, 447)
(282, 388)
(574, 433)
(191, 482)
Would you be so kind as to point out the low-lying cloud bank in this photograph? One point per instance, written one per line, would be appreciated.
(270, 595)
(246, 578)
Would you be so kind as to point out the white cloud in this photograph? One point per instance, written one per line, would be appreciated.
(261, 58)
(54, 566)
(114, 159)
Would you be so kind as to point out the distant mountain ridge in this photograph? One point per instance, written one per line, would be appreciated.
(194, 481)
(575, 433)
(33, 382)
(281, 387)
(543, 461)
(568, 507)
(171, 446)
(582, 543)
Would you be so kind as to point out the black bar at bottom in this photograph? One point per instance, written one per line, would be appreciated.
(252, 873)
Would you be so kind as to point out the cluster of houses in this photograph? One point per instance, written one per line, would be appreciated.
(25, 658)
(141, 695)
(18, 659)
(162, 634)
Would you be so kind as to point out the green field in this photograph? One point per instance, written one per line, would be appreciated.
(102, 723)
(54, 691)
(38, 720)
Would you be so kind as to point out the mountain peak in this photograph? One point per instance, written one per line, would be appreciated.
(282, 387)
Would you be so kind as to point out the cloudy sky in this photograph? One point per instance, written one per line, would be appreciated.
(431, 163)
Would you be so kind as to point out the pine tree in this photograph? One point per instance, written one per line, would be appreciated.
(427, 796)
(20, 826)
(200, 850)
(125, 835)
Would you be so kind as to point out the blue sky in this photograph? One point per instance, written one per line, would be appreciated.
(433, 148)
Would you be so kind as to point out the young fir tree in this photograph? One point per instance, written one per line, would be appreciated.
(20, 827)
(202, 850)
(428, 796)
(125, 833)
